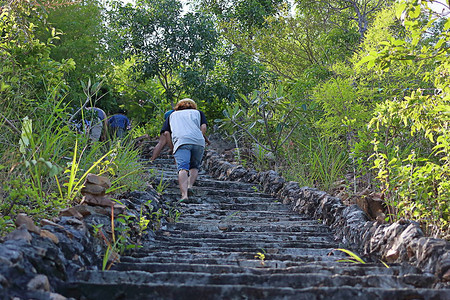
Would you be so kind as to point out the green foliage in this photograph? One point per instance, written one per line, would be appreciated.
(80, 26)
(27, 73)
(344, 14)
(234, 73)
(6, 224)
(415, 182)
(261, 256)
(40, 156)
(35, 183)
(267, 117)
(288, 44)
(160, 183)
(344, 110)
(353, 257)
(165, 41)
(142, 98)
(316, 163)
(74, 182)
(247, 14)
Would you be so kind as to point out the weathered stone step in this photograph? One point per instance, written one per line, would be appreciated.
(274, 261)
(170, 171)
(291, 280)
(220, 244)
(212, 226)
(213, 203)
(307, 249)
(209, 192)
(327, 268)
(255, 206)
(248, 259)
(131, 291)
(251, 220)
(224, 215)
(205, 181)
(294, 236)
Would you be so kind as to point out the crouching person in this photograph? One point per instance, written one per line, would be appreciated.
(187, 126)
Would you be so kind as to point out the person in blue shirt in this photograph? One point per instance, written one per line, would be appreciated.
(118, 124)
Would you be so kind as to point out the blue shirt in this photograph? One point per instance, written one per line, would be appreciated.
(168, 113)
(119, 121)
(100, 113)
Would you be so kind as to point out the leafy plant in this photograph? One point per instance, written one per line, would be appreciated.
(42, 149)
(353, 258)
(162, 185)
(6, 225)
(75, 184)
(174, 214)
(267, 117)
(318, 163)
(261, 256)
(38, 168)
(143, 222)
(416, 182)
(123, 166)
(156, 219)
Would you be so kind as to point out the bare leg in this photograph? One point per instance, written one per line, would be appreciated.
(183, 180)
(169, 141)
(158, 148)
(193, 174)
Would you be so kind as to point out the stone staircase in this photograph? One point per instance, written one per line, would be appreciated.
(232, 241)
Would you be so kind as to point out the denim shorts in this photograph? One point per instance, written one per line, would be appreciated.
(189, 156)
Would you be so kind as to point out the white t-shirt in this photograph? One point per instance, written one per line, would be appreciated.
(185, 127)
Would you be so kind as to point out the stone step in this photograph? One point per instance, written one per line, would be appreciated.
(213, 226)
(239, 206)
(220, 256)
(328, 268)
(256, 215)
(209, 182)
(277, 236)
(131, 291)
(291, 280)
(260, 240)
(306, 250)
(218, 244)
(249, 219)
(240, 259)
(225, 193)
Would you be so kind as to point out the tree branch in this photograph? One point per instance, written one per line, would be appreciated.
(10, 124)
(250, 135)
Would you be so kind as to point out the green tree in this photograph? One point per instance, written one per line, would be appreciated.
(28, 73)
(414, 178)
(358, 12)
(288, 44)
(141, 98)
(81, 28)
(165, 41)
(247, 14)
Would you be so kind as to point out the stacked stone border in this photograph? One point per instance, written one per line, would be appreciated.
(399, 242)
(37, 261)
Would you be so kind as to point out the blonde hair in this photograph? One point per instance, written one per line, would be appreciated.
(186, 103)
